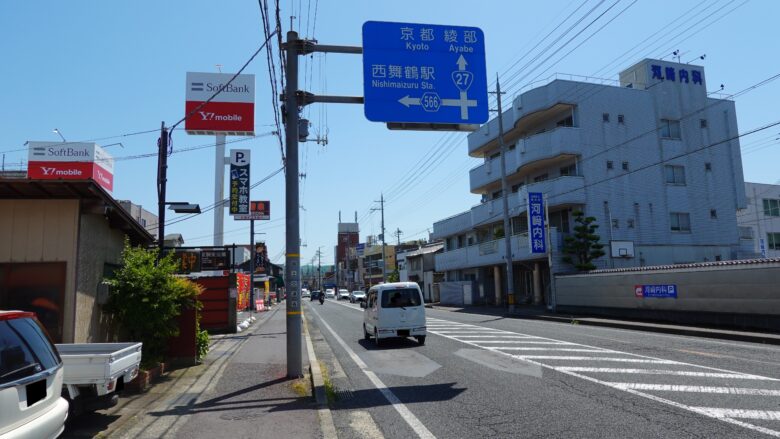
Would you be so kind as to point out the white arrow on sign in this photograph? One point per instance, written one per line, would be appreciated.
(463, 80)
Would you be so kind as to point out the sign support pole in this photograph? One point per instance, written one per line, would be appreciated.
(292, 273)
(252, 266)
(510, 279)
(219, 190)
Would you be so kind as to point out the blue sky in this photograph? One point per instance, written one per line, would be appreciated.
(101, 69)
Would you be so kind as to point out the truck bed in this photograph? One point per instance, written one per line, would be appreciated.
(96, 363)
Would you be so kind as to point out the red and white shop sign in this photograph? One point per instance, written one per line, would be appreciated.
(232, 111)
(70, 161)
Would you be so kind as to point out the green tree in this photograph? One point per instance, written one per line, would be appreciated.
(146, 298)
(583, 247)
(395, 276)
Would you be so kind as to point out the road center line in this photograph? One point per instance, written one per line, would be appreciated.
(399, 406)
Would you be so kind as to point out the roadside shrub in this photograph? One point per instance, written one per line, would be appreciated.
(145, 299)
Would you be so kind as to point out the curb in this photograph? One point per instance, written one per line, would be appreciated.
(318, 386)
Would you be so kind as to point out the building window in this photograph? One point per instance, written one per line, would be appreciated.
(771, 207)
(708, 166)
(680, 222)
(569, 170)
(615, 224)
(609, 164)
(670, 129)
(625, 166)
(143, 222)
(745, 233)
(621, 119)
(773, 241)
(605, 117)
(630, 223)
(516, 187)
(713, 214)
(495, 156)
(566, 122)
(512, 147)
(539, 178)
(703, 123)
(497, 194)
(674, 174)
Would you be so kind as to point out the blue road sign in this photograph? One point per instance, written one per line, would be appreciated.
(424, 73)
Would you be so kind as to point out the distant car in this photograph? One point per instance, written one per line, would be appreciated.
(343, 294)
(357, 296)
(330, 294)
(31, 376)
(305, 293)
(315, 295)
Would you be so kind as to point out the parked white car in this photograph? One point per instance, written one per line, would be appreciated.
(394, 310)
(305, 293)
(330, 294)
(30, 379)
(343, 294)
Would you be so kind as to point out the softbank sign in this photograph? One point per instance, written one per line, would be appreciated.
(232, 111)
(70, 161)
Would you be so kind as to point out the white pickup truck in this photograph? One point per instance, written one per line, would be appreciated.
(93, 372)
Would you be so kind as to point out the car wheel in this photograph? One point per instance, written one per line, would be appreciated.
(421, 339)
(366, 335)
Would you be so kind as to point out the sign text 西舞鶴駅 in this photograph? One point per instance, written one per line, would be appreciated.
(258, 210)
(232, 111)
(537, 240)
(663, 291)
(239, 181)
(424, 73)
(70, 161)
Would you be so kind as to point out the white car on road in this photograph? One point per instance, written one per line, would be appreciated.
(330, 294)
(343, 294)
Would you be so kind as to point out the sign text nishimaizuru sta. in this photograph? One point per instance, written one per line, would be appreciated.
(424, 73)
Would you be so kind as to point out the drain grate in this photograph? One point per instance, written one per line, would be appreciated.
(343, 395)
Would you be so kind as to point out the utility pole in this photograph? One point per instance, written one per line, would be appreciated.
(219, 190)
(162, 179)
(319, 269)
(295, 47)
(398, 234)
(384, 244)
(510, 279)
(292, 264)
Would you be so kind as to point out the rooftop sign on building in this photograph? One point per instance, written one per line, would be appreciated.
(70, 161)
(231, 112)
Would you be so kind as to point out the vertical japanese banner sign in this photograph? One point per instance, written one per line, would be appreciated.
(537, 240)
(239, 181)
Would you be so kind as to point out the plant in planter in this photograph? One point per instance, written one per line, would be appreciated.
(145, 298)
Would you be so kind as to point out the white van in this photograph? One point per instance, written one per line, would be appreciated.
(394, 310)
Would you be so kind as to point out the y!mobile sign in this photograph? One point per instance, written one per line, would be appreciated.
(231, 112)
(70, 161)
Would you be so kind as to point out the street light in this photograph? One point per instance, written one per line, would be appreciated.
(178, 207)
(59, 134)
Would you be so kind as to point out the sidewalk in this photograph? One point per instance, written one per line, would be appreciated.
(241, 390)
(541, 313)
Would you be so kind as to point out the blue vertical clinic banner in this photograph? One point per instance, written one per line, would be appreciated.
(239, 181)
(537, 239)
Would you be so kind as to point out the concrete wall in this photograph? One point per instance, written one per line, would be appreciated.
(98, 246)
(743, 295)
(43, 231)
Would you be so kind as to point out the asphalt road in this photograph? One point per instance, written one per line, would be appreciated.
(489, 376)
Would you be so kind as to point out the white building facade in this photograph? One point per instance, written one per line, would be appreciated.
(654, 159)
(759, 222)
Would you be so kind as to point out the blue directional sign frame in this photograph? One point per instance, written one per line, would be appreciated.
(424, 73)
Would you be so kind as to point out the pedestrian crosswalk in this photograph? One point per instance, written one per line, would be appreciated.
(747, 400)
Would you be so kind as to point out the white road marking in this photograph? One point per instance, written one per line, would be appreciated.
(516, 348)
(568, 358)
(399, 406)
(722, 414)
(764, 415)
(740, 376)
(551, 343)
(496, 336)
(696, 389)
